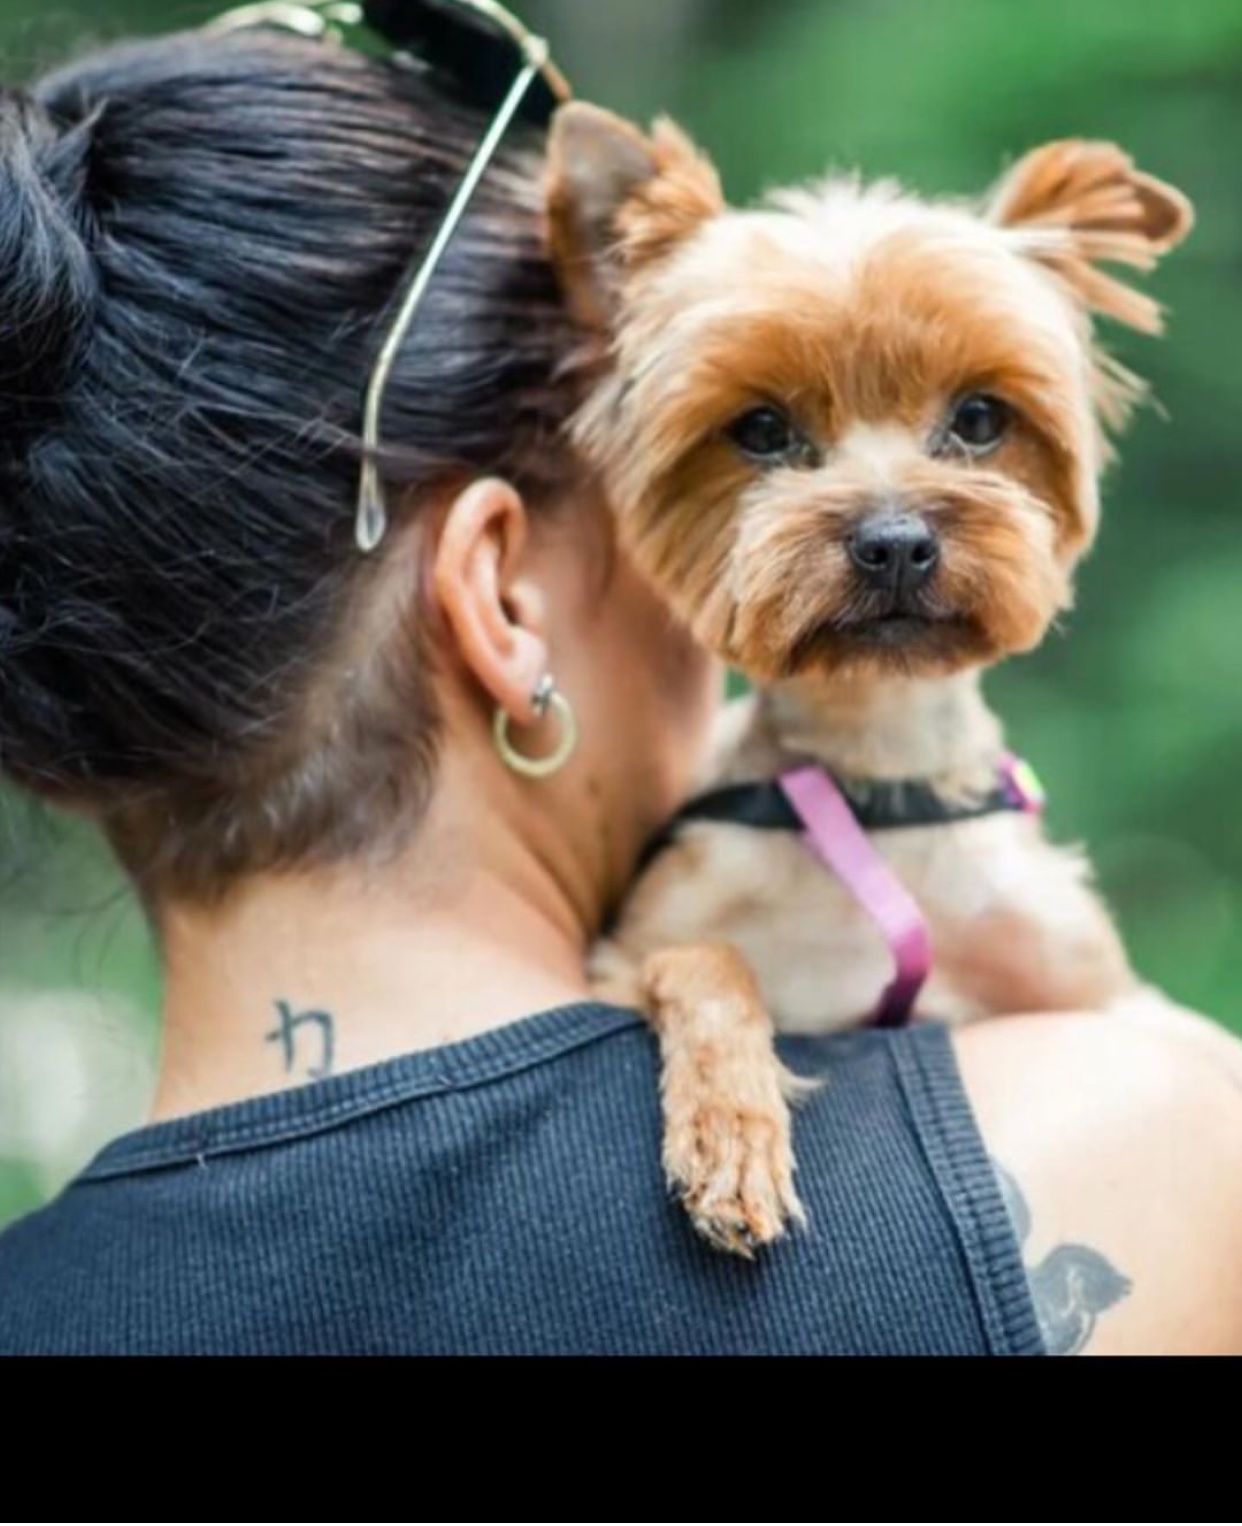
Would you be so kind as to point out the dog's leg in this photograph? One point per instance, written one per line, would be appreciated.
(728, 1151)
(727, 1136)
(1051, 946)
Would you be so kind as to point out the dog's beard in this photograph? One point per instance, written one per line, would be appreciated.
(865, 634)
(776, 596)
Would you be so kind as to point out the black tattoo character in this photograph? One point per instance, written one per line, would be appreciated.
(286, 1035)
(1071, 1287)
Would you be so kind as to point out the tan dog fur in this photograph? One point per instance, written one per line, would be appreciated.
(863, 315)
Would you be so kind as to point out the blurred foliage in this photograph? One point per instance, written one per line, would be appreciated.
(1131, 714)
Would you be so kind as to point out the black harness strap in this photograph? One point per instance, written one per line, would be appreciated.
(883, 806)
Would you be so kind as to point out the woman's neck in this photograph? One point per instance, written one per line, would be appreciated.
(296, 977)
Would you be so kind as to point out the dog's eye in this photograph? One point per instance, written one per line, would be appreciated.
(766, 435)
(979, 421)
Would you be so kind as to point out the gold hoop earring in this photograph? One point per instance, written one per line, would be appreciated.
(546, 699)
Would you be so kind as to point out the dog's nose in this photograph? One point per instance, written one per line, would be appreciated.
(894, 551)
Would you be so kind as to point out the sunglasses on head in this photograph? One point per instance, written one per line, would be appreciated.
(495, 62)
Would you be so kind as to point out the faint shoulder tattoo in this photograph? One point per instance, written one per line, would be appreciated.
(320, 1031)
(1071, 1287)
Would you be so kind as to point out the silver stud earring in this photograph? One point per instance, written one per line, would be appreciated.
(547, 699)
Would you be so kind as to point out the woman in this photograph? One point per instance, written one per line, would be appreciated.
(294, 749)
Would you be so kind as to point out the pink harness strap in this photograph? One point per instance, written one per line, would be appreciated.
(836, 837)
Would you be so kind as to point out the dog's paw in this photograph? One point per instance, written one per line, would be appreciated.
(730, 1160)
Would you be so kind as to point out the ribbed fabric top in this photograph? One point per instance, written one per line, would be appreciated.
(504, 1195)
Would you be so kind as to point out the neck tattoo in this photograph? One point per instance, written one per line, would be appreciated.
(286, 1034)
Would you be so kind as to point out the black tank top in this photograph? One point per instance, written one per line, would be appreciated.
(504, 1195)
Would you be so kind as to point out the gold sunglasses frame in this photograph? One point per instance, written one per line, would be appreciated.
(326, 20)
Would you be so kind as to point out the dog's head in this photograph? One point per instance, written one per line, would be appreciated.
(852, 428)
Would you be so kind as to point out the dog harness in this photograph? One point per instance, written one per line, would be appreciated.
(834, 822)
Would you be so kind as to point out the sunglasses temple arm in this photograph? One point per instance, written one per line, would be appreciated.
(372, 515)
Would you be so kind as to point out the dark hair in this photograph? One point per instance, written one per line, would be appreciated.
(201, 240)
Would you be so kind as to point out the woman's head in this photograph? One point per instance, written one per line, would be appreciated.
(201, 242)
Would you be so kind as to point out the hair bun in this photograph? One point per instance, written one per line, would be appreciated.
(48, 278)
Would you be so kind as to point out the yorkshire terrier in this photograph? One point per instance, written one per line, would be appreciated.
(854, 438)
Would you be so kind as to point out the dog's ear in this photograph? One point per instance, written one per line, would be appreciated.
(619, 200)
(1075, 204)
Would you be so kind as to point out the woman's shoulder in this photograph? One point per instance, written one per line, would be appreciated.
(1118, 1140)
(1059, 1182)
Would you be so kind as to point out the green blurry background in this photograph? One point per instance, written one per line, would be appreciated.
(1133, 715)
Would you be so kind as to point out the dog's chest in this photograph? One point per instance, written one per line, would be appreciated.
(822, 961)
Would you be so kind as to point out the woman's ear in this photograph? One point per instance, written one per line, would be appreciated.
(494, 611)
